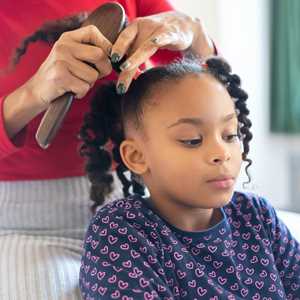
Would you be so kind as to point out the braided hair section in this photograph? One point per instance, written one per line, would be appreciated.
(102, 133)
(222, 71)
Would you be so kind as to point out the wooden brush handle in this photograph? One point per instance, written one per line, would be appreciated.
(110, 19)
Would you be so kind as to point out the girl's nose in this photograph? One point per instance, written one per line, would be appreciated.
(218, 153)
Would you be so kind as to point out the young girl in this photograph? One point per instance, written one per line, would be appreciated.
(182, 131)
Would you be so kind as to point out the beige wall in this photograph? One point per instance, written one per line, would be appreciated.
(206, 10)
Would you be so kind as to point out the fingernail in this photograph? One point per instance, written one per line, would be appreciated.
(125, 65)
(115, 57)
(121, 88)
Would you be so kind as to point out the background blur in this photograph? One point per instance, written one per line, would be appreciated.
(244, 32)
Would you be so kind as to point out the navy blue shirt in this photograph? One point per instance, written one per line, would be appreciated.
(130, 252)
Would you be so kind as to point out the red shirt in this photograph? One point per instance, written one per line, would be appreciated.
(22, 158)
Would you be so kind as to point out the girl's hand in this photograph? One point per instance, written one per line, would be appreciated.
(67, 68)
(144, 36)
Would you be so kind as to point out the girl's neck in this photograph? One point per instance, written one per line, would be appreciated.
(186, 218)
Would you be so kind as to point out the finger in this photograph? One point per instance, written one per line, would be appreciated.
(163, 39)
(87, 53)
(90, 35)
(94, 56)
(83, 71)
(104, 67)
(172, 40)
(158, 40)
(125, 79)
(71, 83)
(141, 55)
(79, 87)
(123, 43)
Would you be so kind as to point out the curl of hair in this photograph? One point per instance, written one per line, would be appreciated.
(49, 33)
(222, 71)
(102, 127)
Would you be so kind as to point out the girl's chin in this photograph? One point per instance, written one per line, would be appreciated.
(220, 200)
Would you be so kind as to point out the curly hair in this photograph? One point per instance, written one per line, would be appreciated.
(49, 33)
(103, 126)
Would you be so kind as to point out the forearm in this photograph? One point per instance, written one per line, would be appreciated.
(19, 108)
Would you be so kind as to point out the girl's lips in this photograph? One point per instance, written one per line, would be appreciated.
(224, 183)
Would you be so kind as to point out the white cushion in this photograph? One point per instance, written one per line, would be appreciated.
(292, 221)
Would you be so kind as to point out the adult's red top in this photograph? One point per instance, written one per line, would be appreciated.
(22, 158)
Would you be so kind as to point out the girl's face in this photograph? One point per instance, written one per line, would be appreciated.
(191, 149)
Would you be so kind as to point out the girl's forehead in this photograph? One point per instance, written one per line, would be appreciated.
(197, 96)
(192, 95)
(192, 86)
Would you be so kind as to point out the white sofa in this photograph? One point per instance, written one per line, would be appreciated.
(292, 220)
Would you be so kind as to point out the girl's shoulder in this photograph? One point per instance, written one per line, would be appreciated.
(131, 212)
(250, 208)
(128, 208)
(122, 222)
(244, 201)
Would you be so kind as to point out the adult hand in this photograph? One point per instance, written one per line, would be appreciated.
(145, 35)
(68, 68)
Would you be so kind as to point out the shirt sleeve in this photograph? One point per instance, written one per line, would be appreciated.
(9, 146)
(151, 7)
(118, 263)
(286, 251)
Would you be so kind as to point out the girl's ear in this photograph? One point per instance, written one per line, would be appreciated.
(133, 157)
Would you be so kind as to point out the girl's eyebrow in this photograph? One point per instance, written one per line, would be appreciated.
(198, 121)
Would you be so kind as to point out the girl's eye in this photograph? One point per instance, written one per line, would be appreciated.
(191, 143)
(232, 138)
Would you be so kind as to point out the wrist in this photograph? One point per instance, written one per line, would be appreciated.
(19, 110)
(202, 45)
(32, 99)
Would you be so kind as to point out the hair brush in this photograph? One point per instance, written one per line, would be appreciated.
(110, 19)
